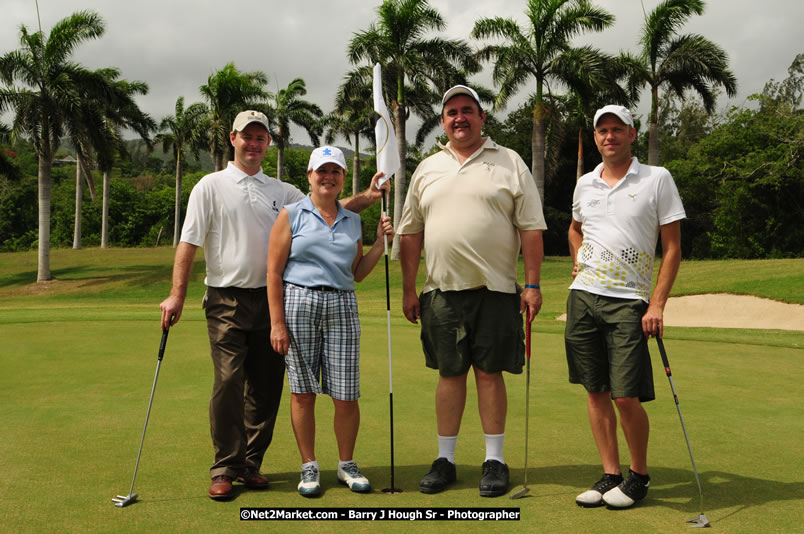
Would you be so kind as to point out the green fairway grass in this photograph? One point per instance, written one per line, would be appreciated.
(78, 359)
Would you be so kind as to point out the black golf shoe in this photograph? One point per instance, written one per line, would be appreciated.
(441, 475)
(634, 488)
(495, 479)
(594, 497)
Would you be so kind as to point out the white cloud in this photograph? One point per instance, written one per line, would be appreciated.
(175, 45)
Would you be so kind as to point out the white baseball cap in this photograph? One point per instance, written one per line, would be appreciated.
(461, 90)
(620, 112)
(326, 154)
(244, 118)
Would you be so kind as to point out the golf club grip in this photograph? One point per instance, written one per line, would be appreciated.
(163, 343)
(164, 339)
(527, 333)
(664, 355)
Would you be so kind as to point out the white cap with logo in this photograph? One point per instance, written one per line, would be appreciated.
(244, 118)
(461, 90)
(620, 112)
(326, 154)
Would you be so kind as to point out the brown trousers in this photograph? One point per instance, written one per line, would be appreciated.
(249, 377)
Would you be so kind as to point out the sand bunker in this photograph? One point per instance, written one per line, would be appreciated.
(731, 311)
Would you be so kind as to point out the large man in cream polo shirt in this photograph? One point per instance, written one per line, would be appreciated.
(471, 207)
(230, 213)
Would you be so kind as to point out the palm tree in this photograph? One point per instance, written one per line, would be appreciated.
(397, 41)
(351, 119)
(287, 107)
(604, 86)
(228, 92)
(182, 132)
(681, 62)
(97, 137)
(47, 108)
(542, 52)
(121, 112)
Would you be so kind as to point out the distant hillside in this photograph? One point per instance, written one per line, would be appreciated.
(138, 146)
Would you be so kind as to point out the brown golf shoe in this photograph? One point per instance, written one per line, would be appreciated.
(252, 479)
(221, 488)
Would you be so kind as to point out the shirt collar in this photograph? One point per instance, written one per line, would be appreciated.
(239, 175)
(307, 205)
(632, 169)
(488, 144)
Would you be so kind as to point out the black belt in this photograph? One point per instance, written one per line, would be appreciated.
(243, 289)
(327, 289)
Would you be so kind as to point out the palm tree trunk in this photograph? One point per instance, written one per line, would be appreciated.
(356, 166)
(218, 162)
(280, 160)
(653, 138)
(177, 210)
(78, 204)
(105, 214)
(43, 270)
(229, 152)
(579, 168)
(401, 176)
(537, 148)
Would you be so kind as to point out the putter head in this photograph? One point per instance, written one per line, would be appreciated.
(392, 491)
(520, 493)
(125, 500)
(699, 522)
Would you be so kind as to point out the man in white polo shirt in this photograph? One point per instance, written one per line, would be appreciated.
(618, 212)
(230, 213)
(471, 207)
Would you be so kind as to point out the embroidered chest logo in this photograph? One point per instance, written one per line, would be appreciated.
(632, 197)
(274, 207)
(592, 203)
(489, 165)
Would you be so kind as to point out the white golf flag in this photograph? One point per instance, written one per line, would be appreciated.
(387, 151)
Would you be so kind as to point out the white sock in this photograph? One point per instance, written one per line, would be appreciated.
(341, 463)
(494, 447)
(314, 463)
(446, 447)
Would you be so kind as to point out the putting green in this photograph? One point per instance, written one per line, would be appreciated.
(78, 366)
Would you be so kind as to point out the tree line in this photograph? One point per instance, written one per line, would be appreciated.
(58, 103)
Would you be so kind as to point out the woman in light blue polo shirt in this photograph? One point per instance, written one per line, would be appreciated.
(315, 256)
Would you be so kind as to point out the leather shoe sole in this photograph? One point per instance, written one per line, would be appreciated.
(495, 479)
(441, 475)
(252, 479)
(221, 488)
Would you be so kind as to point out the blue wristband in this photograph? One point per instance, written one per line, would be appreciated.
(532, 286)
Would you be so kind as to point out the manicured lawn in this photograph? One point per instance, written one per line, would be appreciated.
(78, 358)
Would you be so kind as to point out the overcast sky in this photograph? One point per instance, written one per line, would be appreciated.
(174, 45)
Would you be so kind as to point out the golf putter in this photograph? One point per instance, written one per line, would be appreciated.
(125, 500)
(701, 521)
(525, 490)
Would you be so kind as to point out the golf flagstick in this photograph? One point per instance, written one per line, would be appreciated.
(525, 490)
(392, 488)
(125, 500)
(388, 164)
(701, 520)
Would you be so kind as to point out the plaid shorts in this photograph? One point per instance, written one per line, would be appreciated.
(324, 342)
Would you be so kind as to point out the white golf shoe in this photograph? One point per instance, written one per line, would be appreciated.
(634, 488)
(309, 486)
(350, 475)
(594, 497)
